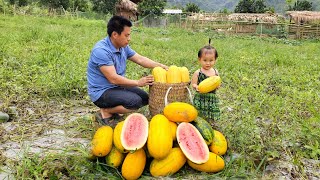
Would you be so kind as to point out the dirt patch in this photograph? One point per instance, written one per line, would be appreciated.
(63, 126)
(35, 132)
(51, 141)
(286, 170)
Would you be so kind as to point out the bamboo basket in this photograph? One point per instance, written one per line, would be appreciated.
(161, 94)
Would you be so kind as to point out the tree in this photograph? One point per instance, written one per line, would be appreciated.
(301, 6)
(191, 7)
(288, 2)
(270, 10)
(104, 6)
(224, 10)
(55, 4)
(244, 6)
(80, 5)
(258, 6)
(250, 6)
(17, 2)
(154, 7)
(22, 3)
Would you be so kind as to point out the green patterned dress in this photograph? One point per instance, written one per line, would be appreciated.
(207, 104)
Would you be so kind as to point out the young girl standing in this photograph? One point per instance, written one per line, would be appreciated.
(207, 104)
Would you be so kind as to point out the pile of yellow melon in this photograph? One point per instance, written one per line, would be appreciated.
(169, 140)
(177, 74)
(174, 74)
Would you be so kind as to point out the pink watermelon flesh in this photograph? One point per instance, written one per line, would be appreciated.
(192, 143)
(134, 132)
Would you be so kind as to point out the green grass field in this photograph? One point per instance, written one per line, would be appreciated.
(270, 98)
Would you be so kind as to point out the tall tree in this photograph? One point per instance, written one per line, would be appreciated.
(154, 7)
(289, 2)
(104, 6)
(250, 6)
(302, 6)
(80, 5)
(258, 6)
(192, 7)
(11, 2)
(244, 6)
(55, 4)
(22, 2)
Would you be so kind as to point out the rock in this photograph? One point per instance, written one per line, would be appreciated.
(13, 112)
(6, 173)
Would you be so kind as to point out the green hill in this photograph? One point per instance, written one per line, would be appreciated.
(216, 5)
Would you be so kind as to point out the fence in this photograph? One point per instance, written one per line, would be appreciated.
(304, 31)
(220, 23)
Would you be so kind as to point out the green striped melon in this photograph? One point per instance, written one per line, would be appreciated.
(205, 129)
(4, 117)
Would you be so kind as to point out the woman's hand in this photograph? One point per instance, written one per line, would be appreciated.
(147, 80)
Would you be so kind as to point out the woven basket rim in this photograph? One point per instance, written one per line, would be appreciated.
(157, 93)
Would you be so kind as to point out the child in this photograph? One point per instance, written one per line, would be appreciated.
(206, 104)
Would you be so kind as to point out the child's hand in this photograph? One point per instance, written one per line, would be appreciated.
(197, 89)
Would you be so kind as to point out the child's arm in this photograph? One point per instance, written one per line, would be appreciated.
(217, 73)
(194, 80)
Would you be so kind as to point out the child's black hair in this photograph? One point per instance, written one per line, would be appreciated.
(208, 47)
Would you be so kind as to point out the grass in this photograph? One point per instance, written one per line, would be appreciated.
(270, 98)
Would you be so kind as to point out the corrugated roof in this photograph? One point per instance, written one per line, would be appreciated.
(172, 11)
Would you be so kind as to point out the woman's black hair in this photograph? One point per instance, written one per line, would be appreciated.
(117, 24)
(208, 47)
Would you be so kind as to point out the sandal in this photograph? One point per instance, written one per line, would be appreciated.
(104, 121)
(118, 116)
(98, 115)
(115, 116)
(110, 121)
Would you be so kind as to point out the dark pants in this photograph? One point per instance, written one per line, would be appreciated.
(131, 98)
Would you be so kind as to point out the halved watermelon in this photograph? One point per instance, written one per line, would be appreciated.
(134, 133)
(192, 143)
